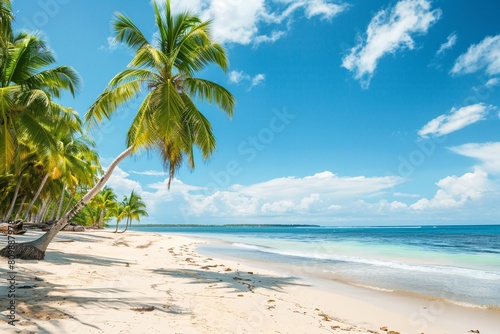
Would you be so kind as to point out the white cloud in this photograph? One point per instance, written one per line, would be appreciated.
(397, 194)
(487, 153)
(385, 206)
(456, 191)
(320, 198)
(388, 32)
(319, 192)
(241, 21)
(112, 44)
(492, 83)
(450, 42)
(275, 35)
(455, 120)
(485, 55)
(322, 8)
(150, 173)
(257, 80)
(121, 184)
(238, 77)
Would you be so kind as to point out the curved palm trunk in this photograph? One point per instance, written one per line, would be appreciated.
(36, 195)
(60, 204)
(13, 203)
(116, 229)
(35, 250)
(67, 206)
(20, 207)
(126, 226)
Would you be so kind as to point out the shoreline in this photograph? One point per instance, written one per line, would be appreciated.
(146, 282)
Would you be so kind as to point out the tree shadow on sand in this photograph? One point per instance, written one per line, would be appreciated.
(39, 301)
(240, 281)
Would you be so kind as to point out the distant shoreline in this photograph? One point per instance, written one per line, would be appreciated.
(225, 225)
(305, 225)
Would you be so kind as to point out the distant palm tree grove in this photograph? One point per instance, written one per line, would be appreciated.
(50, 170)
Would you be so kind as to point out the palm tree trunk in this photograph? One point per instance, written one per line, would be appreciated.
(116, 229)
(20, 207)
(66, 208)
(43, 208)
(35, 250)
(45, 213)
(101, 219)
(60, 204)
(46, 177)
(126, 226)
(13, 203)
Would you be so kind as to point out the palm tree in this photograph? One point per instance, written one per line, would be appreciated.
(119, 214)
(133, 209)
(27, 89)
(167, 122)
(105, 200)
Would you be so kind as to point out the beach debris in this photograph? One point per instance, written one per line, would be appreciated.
(271, 301)
(325, 317)
(228, 269)
(240, 295)
(38, 279)
(145, 245)
(127, 264)
(384, 328)
(241, 279)
(393, 332)
(250, 272)
(474, 331)
(143, 309)
(209, 266)
(334, 327)
(15, 227)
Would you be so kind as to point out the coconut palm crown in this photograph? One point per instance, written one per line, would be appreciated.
(168, 121)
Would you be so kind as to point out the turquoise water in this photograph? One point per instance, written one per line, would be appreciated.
(457, 263)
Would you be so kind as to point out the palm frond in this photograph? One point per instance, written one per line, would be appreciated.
(109, 101)
(127, 32)
(210, 92)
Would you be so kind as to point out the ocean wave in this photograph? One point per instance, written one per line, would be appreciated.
(434, 269)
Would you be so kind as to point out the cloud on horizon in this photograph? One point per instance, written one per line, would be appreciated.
(456, 191)
(320, 198)
(390, 30)
(487, 153)
(455, 120)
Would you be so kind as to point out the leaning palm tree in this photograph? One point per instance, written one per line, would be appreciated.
(133, 208)
(167, 122)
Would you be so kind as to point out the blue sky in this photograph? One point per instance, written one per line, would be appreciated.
(348, 112)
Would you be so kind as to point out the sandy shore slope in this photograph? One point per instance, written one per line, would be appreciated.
(100, 282)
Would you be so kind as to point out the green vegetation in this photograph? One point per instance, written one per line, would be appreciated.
(167, 122)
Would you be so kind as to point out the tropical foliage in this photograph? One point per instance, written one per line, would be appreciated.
(43, 153)
(131, 208)
(167, 122)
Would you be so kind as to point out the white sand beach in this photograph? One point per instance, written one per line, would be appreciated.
(101, 282)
